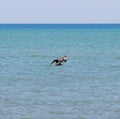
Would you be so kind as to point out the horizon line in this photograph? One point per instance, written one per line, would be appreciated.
(63, 23)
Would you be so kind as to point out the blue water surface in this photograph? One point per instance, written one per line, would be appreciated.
(87, 86)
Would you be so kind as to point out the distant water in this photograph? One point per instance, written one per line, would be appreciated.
(85, 87)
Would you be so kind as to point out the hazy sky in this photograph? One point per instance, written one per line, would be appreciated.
(59, 11)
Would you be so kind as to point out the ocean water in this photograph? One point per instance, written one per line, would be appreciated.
(87, 86)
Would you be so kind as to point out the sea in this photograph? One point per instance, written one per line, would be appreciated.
(87, 86)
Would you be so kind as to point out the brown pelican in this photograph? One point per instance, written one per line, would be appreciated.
(59, 60)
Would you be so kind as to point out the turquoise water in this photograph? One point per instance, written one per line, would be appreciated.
(87, 86)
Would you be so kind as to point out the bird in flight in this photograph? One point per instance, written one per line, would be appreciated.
(58, 61)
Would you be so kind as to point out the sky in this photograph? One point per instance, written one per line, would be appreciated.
(60, 11)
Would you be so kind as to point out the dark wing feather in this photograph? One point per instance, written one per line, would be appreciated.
(56, 60)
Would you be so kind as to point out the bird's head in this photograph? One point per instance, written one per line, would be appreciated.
(65, 58)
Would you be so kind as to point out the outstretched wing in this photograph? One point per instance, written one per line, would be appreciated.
(54, 61)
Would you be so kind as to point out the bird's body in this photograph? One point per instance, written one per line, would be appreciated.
(60, 60)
